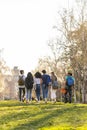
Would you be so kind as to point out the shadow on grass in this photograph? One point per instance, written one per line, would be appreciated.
(37, 116)
(48, 121)
(69, 114)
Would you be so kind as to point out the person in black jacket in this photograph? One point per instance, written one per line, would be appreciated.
(28, 86)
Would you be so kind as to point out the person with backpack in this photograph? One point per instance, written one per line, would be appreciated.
(46, 80)
(21, 84)
(29, 86)
(69, 84)
(54, 86)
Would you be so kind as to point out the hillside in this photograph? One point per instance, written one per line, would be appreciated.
(20, 116)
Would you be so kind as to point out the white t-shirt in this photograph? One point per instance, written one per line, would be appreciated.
(37, 80)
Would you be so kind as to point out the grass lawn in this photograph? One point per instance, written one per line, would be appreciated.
(20, 116)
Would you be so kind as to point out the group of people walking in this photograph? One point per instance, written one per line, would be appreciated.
(40, 83)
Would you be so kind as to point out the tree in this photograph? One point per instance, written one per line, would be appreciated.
(74, 31)
(3, 70)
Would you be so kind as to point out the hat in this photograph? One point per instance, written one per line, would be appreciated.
(69, 71)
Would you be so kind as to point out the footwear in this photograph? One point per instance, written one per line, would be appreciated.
(27, 102)
(46, 102)
(69, 101)
(23, 99)
(36, 100)
(65, 102)
(54, 101)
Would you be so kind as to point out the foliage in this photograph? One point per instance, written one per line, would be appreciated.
(3, 69)
(20, 116)
(73, 30)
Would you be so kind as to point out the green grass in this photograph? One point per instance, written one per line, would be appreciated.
(20, 116)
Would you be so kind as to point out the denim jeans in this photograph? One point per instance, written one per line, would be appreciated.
(45, 91)
(21, 93)
(28, 94)
(68, 95)
(38, 91)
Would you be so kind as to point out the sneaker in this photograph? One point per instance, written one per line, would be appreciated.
(27, 102)
(45, 100)
(36, 100)
(23, 99)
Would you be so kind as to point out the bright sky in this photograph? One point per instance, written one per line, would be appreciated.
(25, 28)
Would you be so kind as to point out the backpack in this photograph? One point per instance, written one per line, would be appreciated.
(46, 79)
(29, 83)
(70, 81)
(55, 84)
(21, 80)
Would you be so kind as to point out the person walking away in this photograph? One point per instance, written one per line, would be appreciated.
(69, 84)
(37, 84)
(29, 86)
(45, 84)
(54, 87)
(21, 85)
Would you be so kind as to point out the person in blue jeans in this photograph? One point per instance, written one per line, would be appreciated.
(69, 84)
(37, 82)
(45, 83)
(29, 86)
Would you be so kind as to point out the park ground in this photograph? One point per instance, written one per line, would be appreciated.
(59, 116)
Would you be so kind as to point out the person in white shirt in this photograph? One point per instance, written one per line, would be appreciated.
(37, 83)
(53, 91)
(21, 85)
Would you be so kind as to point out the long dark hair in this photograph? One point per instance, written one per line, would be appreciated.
(29, 75)
(38, 75)
(29, 81)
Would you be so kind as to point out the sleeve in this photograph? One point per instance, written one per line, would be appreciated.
(24, 77)
(66, 77)
(73, 79)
